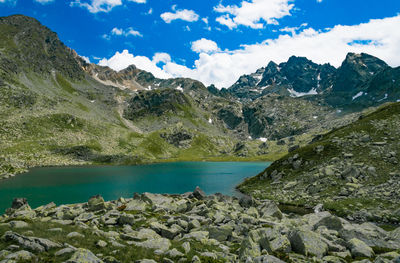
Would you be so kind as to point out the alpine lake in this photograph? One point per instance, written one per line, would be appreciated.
(67, 185)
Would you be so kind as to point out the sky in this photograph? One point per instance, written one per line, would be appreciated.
(217, 41)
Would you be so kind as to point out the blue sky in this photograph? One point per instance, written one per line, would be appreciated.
(217, 41)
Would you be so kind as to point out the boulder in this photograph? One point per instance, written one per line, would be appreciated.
(220, 233)
(307, 243)
(96, 203)
(162, 244)
(135, 205)
(31, 243)
(359, 249)
(22, 255)
(267, 259)
(199, 194)
(270, 209)
(18, 203)
(280, 244)
(82, 255)
(331, 222)
(18, 224)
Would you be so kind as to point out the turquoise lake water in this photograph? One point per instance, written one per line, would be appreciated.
(67, 185)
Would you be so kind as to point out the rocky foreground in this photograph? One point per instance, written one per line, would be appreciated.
(191, 227)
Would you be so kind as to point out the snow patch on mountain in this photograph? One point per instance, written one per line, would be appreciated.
(296, 94)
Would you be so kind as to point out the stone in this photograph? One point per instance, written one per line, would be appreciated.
(197, 235)
(186, 247)
(82, 255)
(270, 209)
(127, 219)
(307, 243)
(31, 243)
(135, 205)
(246, 201)
(162, 244)
(75, 235)
(96, 203)
(333, 259)
(18, 224)
(359, 249)
(20, 256)
(267, 259)
(199, 194)
(331, 222)
(220, 233)
(173, 253)
(101, 244)
(64, 251)
(280, 244)
(17, 203)
(193, 224)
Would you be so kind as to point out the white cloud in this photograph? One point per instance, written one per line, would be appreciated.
(379, 37)
(186, 15)
(95, 6)
(11, 2)
(43, 2)
(124, 59)
(161, 57)
(125, 32)
(204, 46)
(253, 13)
(85, 59)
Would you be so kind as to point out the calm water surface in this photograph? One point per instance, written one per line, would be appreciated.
(68, 185)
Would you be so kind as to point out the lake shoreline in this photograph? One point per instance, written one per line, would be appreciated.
(145, 162)
(47, 184)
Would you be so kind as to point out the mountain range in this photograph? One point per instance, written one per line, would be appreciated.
(57, 109)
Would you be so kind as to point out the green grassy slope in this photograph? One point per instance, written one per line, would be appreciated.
(353, 170)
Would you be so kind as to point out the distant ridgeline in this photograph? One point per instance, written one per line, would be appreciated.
(56, 109)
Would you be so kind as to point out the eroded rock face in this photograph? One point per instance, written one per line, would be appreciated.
(156, 103)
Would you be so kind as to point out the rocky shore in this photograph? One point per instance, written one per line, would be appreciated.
(191, 227)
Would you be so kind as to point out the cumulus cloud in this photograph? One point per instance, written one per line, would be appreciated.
(124, 59)
(161, 57)
(253, 14)
(126, 32)
(85, 59)
(186, 15)
(138, 1)
(379, 37)
(204, 46)
(43, 2)
(95, 6)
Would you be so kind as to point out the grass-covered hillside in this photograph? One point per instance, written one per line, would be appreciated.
(53, 112)
(353, 171)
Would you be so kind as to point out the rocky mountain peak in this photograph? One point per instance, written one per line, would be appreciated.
(357, 69)
(27, 44)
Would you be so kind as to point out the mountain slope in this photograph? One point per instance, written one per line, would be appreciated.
(353, 170)
(56, 109)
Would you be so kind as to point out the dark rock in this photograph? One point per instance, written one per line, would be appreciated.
(246, 201)
(18, 203)
(281, 142)
(293, 148)
(199, 194)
